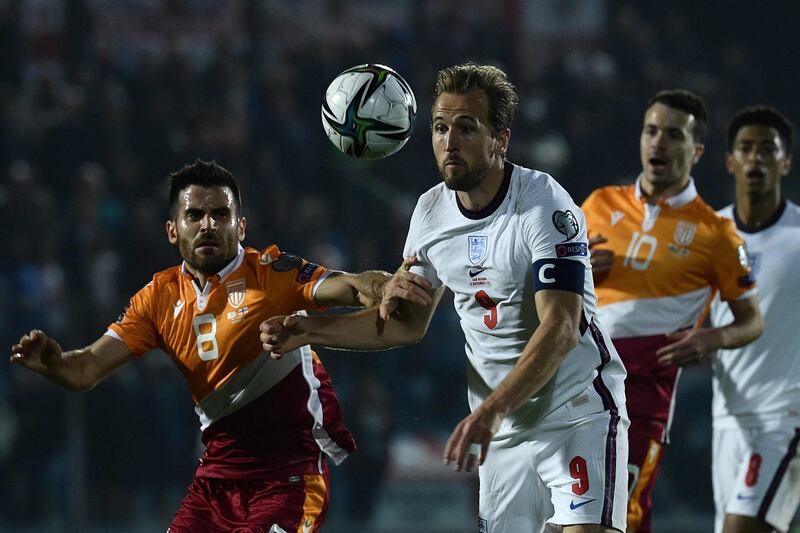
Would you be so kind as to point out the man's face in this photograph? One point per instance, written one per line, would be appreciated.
(462, 139)
(758, 160)
(207, 228)
(667, 147)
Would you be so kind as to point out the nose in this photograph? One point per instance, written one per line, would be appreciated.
(207, 223)
(450, 141)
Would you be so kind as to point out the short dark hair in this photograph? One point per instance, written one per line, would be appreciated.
(470, 77)
(761, 115)
(205, 174)
(688, 102)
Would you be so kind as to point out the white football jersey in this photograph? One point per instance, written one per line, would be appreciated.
(760, 382)
(531, 236)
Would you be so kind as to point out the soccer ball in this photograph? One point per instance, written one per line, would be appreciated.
(369, 111)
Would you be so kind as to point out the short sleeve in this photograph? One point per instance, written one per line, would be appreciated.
(557, 230)
(414, 247)
(135, 325)
(733, 276)
(290, 279)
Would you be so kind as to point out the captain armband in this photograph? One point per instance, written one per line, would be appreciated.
(560, 274)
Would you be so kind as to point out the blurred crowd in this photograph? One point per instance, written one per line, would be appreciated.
(101, 99)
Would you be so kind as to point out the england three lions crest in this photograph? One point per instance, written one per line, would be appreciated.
(236, 292)
(478, 246)
(684, 233)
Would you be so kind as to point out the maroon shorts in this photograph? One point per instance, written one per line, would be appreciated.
(291, 501)
(644, 459)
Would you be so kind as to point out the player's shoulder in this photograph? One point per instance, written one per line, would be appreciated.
(615, 193)
(726, 212)
(791, 214)
(537, 188)
(168, 276)
(704, 214)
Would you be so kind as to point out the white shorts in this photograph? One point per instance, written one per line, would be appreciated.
(570, 469)
(756, 473)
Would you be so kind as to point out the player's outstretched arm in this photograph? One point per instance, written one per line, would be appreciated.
(692, 346)
(363, 330)
(372, 287)
(79, 369)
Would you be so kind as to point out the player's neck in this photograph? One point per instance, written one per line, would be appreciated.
(757, 210)
(653, 192)
(482, 195)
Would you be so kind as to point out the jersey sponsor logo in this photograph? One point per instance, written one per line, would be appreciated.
(286, 262)
(566, 224)
(306, 272)
(745, 497)
(473, 273)
(176, 308)
(684, 233)
(236, 292)
(478, 246)
(616, 216)
(574, 505)
(572, 249)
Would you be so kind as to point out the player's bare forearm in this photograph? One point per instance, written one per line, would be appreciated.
(344, 289)
(747, 325)
(535, 368)
(362, 330)
(77, 370)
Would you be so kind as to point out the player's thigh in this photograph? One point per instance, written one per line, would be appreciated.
(512, 497)
(765, 487)
(727, 452)
(585, 470)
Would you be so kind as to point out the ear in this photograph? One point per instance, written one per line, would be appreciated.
(501, 143)
(172, 232)
(787, 165)
(699, 149)
(241, 227)
(729, 162)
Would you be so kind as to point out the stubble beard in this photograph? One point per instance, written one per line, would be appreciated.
(466, 181)
(207, 264)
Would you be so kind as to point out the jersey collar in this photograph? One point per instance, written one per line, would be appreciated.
(746, 228)
(491, 207)
(688, 194)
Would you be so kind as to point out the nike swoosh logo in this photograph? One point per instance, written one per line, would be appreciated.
(472, 273)
(177, 308)
(573, 505)
(740, 497)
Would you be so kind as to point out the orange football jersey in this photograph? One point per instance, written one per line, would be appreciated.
(669, 257)
(212, 332)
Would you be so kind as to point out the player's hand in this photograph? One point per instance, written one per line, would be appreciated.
(692, 346)
(404, 285)
(36, 351)
(282, 334)
(601, 259)
(469, 443)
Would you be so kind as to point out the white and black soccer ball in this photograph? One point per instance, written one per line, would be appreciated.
(369, 111)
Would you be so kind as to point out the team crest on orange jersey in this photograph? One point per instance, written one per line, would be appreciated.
(236, 292)
(684, 233)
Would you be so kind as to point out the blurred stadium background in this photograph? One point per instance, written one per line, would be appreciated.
(101, 99)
